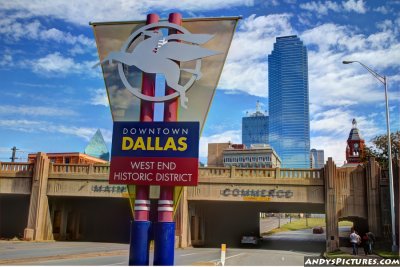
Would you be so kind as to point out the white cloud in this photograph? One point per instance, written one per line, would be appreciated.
(83, 11)
(337, 121)
(382, 9)
(99, 97)
(330, 130)
(55, 64)
(357, 6)
(334, 84)
(246, 66)
(35, 111)
(13, 29)
(233, 136)
(6, 60)
(323, 7)
(31, 126)
(333, 147)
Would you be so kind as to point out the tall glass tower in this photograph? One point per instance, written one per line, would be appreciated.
(289, 120)
(255, 128)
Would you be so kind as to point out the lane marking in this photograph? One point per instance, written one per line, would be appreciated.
(200, 252)
(230, 257)
(118, 263)
(184, 255)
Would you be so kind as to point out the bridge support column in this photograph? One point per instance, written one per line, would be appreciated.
(39, 221)
(374, 213)
(332, 232)
(184, 238)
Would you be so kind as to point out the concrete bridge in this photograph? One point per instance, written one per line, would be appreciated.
(45, 201)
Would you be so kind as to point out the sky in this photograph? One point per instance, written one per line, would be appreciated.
(52, 100)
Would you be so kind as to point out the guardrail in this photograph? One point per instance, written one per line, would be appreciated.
(273, 173)
(16, 167)
(206, 172)
(79, 168)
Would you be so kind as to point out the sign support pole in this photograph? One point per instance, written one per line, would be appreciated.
(165, 227)
(140, 227)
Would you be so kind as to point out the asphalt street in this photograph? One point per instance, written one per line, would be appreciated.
(287, 248)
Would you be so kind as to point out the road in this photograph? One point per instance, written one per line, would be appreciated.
(280, 249)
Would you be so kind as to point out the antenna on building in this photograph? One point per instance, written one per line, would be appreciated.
(14, 151)
(258, 106)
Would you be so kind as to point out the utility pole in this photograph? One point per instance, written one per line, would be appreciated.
(13, 157)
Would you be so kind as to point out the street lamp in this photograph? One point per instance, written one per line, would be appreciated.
(383, 79)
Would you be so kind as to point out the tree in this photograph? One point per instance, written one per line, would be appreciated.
(379, 148)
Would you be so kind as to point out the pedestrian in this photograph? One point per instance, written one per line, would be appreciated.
(371, 241)
(355, 240)
(365, 242)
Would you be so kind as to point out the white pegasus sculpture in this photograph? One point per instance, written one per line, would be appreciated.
(157, 54)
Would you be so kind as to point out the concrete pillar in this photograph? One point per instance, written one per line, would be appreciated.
(39, 221)
(332, 232)
(373, 205)
(75, 231)
(64, 222)
(233, 172)
(184, 217)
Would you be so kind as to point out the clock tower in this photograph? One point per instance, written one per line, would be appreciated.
(355, 149)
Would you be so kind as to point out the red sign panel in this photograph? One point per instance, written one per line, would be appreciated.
(155, 153)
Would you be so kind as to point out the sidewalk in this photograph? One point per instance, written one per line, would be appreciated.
(361, 254)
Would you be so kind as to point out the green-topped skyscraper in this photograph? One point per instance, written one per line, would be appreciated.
(97, 147)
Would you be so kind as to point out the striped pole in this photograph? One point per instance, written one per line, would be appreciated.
(223, 254)
(164, 238)
(140, 227)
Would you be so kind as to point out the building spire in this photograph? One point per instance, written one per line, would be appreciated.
(354, 122)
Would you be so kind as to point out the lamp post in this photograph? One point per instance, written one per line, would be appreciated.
(383, 79)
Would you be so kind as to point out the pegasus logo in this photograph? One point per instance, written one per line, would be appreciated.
(157, 53)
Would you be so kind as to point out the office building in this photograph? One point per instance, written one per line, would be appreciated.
(289, 123)
(317, 158)
(238, 155)
(255, 128)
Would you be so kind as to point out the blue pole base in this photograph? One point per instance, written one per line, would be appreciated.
(164, 243)
(139, 243)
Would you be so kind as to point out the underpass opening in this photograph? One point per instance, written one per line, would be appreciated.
(13, 215)
(218, 222)
(346, 224)
(90, 219)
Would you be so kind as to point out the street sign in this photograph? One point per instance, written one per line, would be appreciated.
(155, 153)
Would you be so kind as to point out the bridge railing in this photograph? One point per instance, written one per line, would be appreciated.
(301, 173)
(16, 167)
(59, 168)
(218, 172)
(221, 172)
(257, 173)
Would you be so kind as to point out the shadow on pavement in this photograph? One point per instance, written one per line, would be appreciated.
(294, 245)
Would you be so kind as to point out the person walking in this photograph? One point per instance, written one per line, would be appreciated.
(365, 242)
(371, 240)
(355, 239)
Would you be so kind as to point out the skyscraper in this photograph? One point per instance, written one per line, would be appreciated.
(255, 128)
(97, 147)
(289, 121)
(317, 158)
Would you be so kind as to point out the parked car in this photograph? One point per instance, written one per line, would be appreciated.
(251, 239)
(318, 230)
